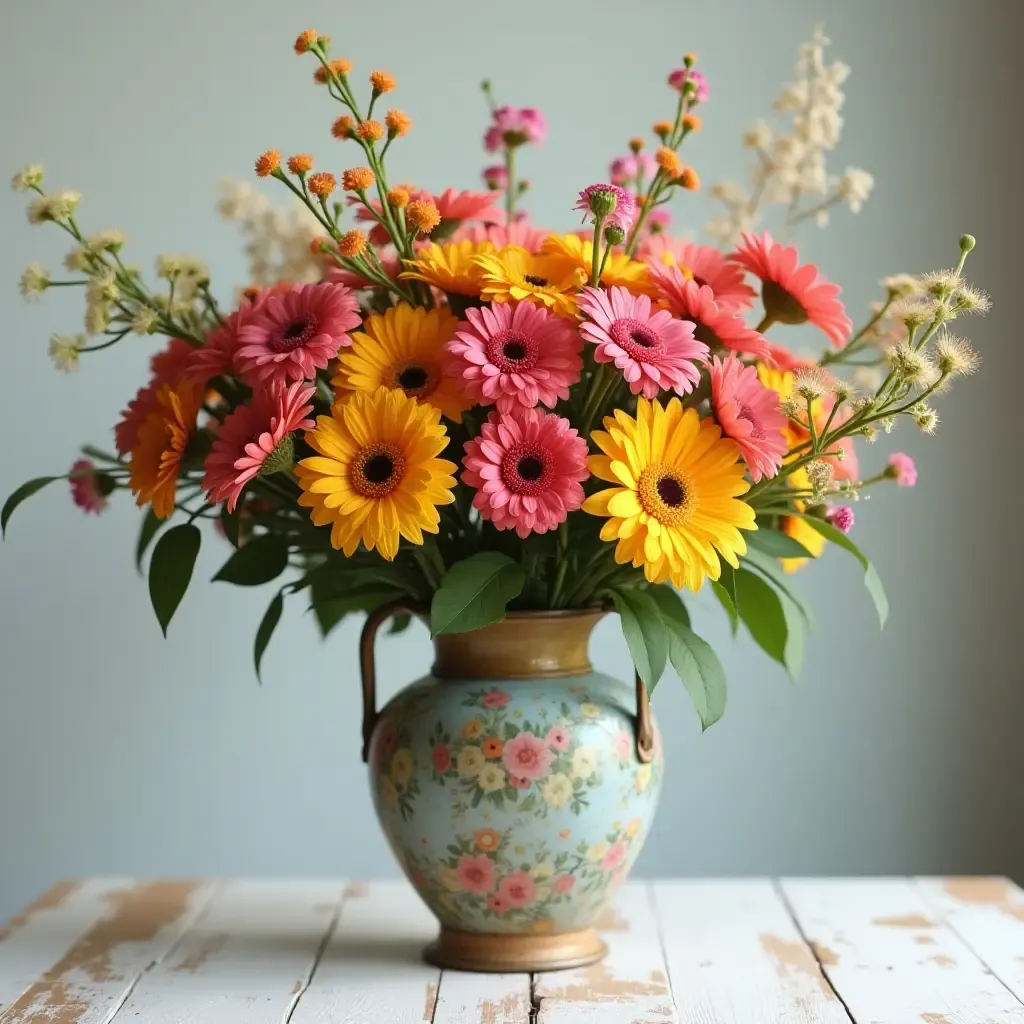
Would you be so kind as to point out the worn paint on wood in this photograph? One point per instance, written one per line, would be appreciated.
(94, 976)
(53, 898)
(466, 998)
(885, 974)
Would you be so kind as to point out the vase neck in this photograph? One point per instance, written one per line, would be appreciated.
(524, 645)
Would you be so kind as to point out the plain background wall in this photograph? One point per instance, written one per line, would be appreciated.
(122, 752)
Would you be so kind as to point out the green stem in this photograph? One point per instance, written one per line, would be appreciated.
(766, 321)
(510, 183)
(595, 257)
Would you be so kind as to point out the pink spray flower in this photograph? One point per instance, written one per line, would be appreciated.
(902, 469)
(614, 204)
(495, 698)
(842, 518)
(293, 334)
(528, 467)
(475, 873)
(441, 758)
(517, 889)
(564, 883)
(708, 265)
(622, 169)
(559, 738)
(86, 491)
(749, 413)
(615, 856)
(515, 126)
(515, 355)
(653, 350)
(527, 756)
(256, 438)
(680, 76)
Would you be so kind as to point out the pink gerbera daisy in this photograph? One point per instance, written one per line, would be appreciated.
(653, 350)
(461, 206)
(257, 439)
(511, 355)
(86, 491)
(527, 466)
(292, 335)
(521, 233)
(749, 413)
(715, 325)
(171, 362)
(707, 264)
(793, 294)
(619, 203)
(514, 126)
(217, 357)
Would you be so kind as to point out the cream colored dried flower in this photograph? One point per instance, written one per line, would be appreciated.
(103, 286)
(757, 136)
(912, 312)
(64, 350)
(813, 382)
(819, 473)
(855, 186)
(911, 366)
(35, 279)
(110, 240)
(926, 418)
(97, 313)
(968, 299)
(901, 286)
(940, 283)
(144, 320)
(77, 259)
(954, 356)
(28, 177)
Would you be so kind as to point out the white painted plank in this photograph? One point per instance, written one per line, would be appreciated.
(988, 914)
(468, 998)
(892, 959)
(372, 969)
(629, 987)
(735, 956)
(245, 961)
(137, 926)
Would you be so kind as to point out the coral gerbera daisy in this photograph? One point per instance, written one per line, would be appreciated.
(88, 488)
(675, 505)
(749, 413)
(160, 446)
(376, 476)
(501, 236)
(257, 439)
(456, 206)
(568, 252)
(707, 265)
(528, 467)
(511, 355)
(793, 294)
(513, 274)
(653, 350)
(452, 268)
(404, 348)
(292, 334)
(716, 325)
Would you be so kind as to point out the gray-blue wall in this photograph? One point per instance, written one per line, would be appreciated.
(122, 752)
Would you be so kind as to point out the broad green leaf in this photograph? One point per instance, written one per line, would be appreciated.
(265, 630)
(258, 561)
(871, 578)
(771, 570)
(762, 613)
(151, 526)
(728, 597)
(330, 611)
(669, 603)
(400, 623)
(231, 523)
(775, 543)
(475, 592)
(645, 632)
(26, 490)
(170, 570)
(700, 671)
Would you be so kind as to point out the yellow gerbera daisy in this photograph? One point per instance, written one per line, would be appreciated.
(798, 528)
(404, 348)
(513, 274)
(376, 477)
(567, 252)
(674, 508)
(449, 267)
(163, 437)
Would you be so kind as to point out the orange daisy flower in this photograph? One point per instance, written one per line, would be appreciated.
(492, 747)
(486, 839)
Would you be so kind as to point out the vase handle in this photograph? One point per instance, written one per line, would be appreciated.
(644, 723)
(368, 666)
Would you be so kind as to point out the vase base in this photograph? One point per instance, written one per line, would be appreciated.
(472, 951)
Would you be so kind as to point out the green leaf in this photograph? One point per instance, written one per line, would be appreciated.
(762, 613)
(645, 632)
(150, 528)
(772, 571)
(475, 592)
(728, 597)
(170, 570)
(231, 523)
(258, 561)
(669, 603)
(775, 543)
(265, 630)
(400, 623)
(871, 578)
(332, 610)
(700, 671)
(26, 490)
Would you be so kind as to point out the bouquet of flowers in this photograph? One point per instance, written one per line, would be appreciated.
(426, 397)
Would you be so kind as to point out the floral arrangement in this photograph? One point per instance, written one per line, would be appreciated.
(443, 404)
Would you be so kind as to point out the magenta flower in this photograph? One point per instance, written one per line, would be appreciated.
(902, 469)
(707, 264)
(495, 177)
(515, 355)
(293, 334)
(622, 169)
(85, 487)
(614, 205)
(514, 126)
(842, 518)
(527, 467)
(654, 351)
(681, 76)
(527, 756)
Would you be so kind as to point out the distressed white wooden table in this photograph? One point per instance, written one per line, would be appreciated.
(805, 951)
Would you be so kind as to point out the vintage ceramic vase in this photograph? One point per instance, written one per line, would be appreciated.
(515, 786)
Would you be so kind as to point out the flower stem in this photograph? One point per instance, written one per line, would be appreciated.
(510, 182)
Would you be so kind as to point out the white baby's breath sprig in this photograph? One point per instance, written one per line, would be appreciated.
(64, 351)
(911, 366)
(57, 206)
(954, 356)
(926, 418)
(30, 177)
(35, 279)
(144, 320)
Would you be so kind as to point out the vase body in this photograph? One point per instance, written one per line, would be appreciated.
(509, 786)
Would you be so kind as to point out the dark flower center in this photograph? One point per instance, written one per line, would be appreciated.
(524, 469)
(514, 351)
(537, 282)
(699, 281)
(530, 468)
(412, 378)
(635, 338)
(704, 333)
(415, 379)
(295, 334)
(671, 491)
(377, 470)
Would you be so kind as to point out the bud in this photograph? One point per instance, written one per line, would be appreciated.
(614, 235)
(841, 518)
(281, 459)
(819, 473)
(967, 243)
(602, 203)
(636, 144)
